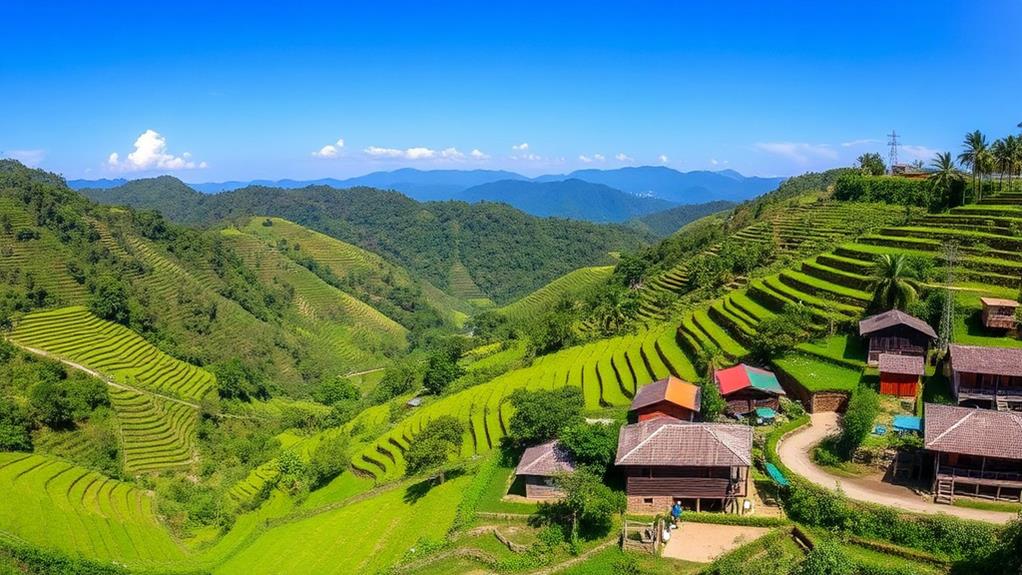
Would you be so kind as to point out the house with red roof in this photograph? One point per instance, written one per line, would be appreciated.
(671, 397)
(747, 389)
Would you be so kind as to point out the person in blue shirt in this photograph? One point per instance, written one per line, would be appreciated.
(676, 512)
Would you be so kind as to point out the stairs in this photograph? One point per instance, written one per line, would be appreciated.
(945, 491)
(1002, 405)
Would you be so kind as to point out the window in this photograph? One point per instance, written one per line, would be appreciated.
(647, 501)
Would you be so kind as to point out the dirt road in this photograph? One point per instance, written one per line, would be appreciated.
(795, 450)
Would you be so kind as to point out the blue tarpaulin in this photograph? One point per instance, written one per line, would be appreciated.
(776, 475)
(907, 423)
(765, 413)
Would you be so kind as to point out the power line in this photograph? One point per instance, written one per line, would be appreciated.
(892, 141)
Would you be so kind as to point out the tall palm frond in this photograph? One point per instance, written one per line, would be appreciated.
(892, 283)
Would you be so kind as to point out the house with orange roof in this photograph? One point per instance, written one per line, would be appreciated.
(671, 397)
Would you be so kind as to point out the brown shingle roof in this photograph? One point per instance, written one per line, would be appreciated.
(982, 432)
(993, 360)
(672, 389)
(546, 460)
(892, 318)
(998, 302)
(669, 442)
(902, 364)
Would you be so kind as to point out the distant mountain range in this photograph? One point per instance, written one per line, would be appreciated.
(615, 195)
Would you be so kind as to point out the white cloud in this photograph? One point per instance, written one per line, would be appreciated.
(529, 157)
(716, 162)
(30, 158)
(599, 157)
(585, 159)
(520, 147)
(662, 158)
(452, 154)
(798, 152)
(419, 153)
(330, 150)
(590, 159)
(384, 152)
(623, 157)
(423, 153)
(478, 155)
(861, 142)
(916, 153)
(151, 153)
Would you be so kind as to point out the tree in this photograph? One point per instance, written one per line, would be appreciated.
(591, 444)
(441, 370)
(588, 506)
(974, 156)
(871, 164)
(1000, 152)
(712, 404)
(857, 423)
(553, 330)
(109, 300)
(15, 427)
(292, 472)
(613, 307)
(433, 447)
(778, 334)
(945, 176)
(59, 402)
(335, 390)
(709, 359)
(234, 380)
(891, 285)
(541, 415)
(329, 460)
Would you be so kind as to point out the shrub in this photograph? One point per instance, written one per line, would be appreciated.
(328, 460)
(441, 370)
(335, 390)
(434, 445)
(779, 334)
(884, 189)
(826, 558)
(60, 401)
(234, 380)
(863, 408)
(109, 300)
(588, 506)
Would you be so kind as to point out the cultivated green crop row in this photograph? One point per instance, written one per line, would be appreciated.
(543, 299)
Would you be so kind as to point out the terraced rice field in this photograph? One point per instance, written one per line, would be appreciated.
(568, 285)
(798, 227)
(353, 332)
(607, 371)
(39, 258)
(364, 537)
(76, 335)
(54, 504)
(834, 288)
(462, 285)
(157, 432)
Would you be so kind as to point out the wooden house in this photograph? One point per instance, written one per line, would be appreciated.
(988, 377)
(671, 397)
(705, 466)
(900, 375)
(896, 332)
(976, 452)
(538, 468)
(999, 313)
(746, 389)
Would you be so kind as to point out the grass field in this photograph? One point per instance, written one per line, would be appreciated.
(360, 538)
(51, 503)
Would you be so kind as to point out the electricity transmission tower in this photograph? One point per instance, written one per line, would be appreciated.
(892, 157)
(950, 249)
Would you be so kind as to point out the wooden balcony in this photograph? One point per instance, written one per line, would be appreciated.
(686, 487)
(999, 321)
(969, 476)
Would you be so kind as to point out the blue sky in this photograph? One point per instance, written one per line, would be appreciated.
(253, 92)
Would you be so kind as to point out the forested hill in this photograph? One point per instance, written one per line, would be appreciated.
(667, 222)
(506, 252)
(572, 198)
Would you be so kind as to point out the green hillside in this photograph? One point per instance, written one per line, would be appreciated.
(427, 239)
(571, 284)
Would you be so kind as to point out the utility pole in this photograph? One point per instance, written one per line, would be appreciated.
(892, 157)
(950, 249)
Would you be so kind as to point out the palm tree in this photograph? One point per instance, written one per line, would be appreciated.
(892, 285)
(1001, 154)
(945, 174)
(1014, 145)
(974, 156)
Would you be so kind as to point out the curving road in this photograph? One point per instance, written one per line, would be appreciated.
(795, 451)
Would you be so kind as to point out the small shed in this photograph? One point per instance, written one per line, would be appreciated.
(999, 313)
(900, 375)
(671, 397)
(539, 466)
(746, 388)
(896, 332)
(414, 402)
